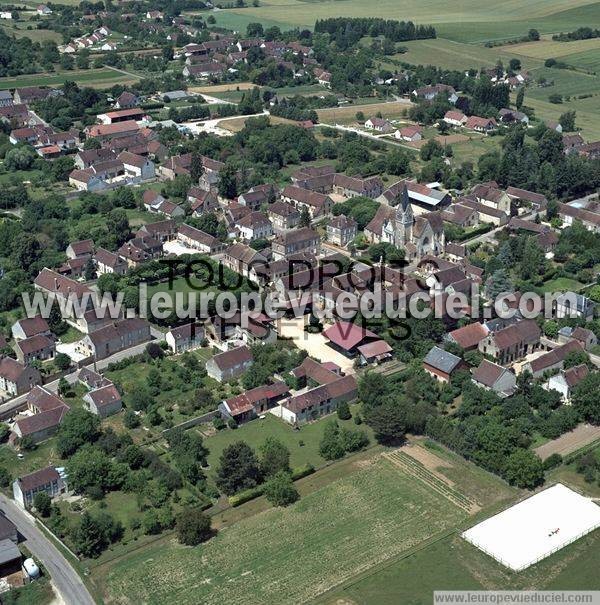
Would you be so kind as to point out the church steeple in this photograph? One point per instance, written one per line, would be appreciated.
(404, 219)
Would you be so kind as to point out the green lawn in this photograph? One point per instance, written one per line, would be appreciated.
(292, 555)
(561, 284)
(256, 431)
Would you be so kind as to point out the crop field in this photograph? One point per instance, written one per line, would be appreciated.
(303, 13)
(458, 55)
(292, 555)
(566, 83)
(543, 49)
(96, 78)
(347, 114)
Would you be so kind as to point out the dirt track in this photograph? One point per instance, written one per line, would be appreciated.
(569, 442)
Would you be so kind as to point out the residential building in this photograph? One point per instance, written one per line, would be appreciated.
(187, 337)
(296, 241)
(103, 401)
(30, 326)
(341, 230)
(379, 125)
(109, 262)
(441, 364)
(17, 378)
(117, 336)
(283, 216)
(553, 359)
(35, 348)
(511, 343)
(47, 480)
(199, 240)
(566, 380)
(254, 402)
(494, 377)
(230, 364)
(571, 304)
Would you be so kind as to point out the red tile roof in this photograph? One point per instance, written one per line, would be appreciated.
(347, 335)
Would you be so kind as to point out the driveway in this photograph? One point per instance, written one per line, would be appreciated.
(68, 583)
(314, 344)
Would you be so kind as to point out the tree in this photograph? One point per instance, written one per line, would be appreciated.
(227, 185)
(330, 446)
(524, 469)
(254, 30)
(274, 457)
(304, 217)
(585, 398)
(343, 411)
(238, 468)
(193, 526)
(388, 422)
(78, 427)
(567, 121)
(280, 490)
(62, 361)
(196, 168)
(514, 64)
(88, 537)
(5, 477)
(90, 470)
(42, 503)
(520, 97)
(576, 358)
(117, 225)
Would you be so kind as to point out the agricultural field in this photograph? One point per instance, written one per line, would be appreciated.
(301, 13)
(449, 54)
(292, 555)
(347, 114)
(96, 78)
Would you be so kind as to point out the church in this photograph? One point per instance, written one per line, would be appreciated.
(419, 236)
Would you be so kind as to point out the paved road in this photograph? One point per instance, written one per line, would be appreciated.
(64, 577)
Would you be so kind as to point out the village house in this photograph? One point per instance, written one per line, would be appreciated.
(229, 364)
(122, 115)
(488, 194)
(341, 230)
(293, 242)
(317, 204)
(140, 250)
(455, 118)
(553, 359)
(48, 412)
(319, 401)
(283, 216)
(512, 342)
(478, 124)
(162, 231)
(409, 133)
(573, 305)
(584, 336)
(468, 337)
(198, 240)
(30, 326)
(428, 93)
(379, 125)
(254, 225)
(242, 259)
(117, 336)
(494, 377)
(187, 337)
(81, 249)
(103, 401)
(127, 100)
(349, 186)
(137, 167)
(254, 402)
(201, 201)
(106, 132)
(566, 380)
(569, 214)
(36, 348)
(441, 364)
(109, 262)
(16, 378)
(47, 480)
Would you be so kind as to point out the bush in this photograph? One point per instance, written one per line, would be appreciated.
(280, 490)
(193, 526)
(552, 461)
(246, 495)
(219, 423)
(343, 411)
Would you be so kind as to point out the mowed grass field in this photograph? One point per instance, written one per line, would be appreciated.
(290, 556)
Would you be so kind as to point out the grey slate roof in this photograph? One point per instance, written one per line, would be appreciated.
(441, 360)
